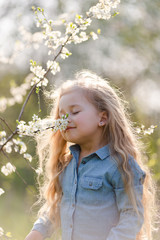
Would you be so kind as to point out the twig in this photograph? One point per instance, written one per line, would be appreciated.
(18, 174)
(28, 163)
(3, 120)
(8, 139)
(26, 101)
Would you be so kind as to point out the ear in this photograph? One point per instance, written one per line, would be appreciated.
(102, 119)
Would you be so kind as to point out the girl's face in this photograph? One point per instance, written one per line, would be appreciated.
(84, 118)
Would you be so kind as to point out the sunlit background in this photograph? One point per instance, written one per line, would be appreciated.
(127, 53)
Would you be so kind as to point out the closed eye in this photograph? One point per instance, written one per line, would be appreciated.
(75, 112)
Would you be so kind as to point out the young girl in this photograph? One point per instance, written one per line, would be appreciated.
(96, 186)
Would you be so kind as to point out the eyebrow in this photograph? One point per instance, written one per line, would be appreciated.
(71, 106)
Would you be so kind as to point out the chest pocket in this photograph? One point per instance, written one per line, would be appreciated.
(91, 183)
(91, 190)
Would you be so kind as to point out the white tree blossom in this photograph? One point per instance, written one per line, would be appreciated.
(17, 92)
(2, 137)
(1, 232)
(38, 125)
(8, 169)
(28, 157)
(65, 53)
(53, 66)
(102, 10)
(1, 192)
(82, 22)
(147, 131)
(3, 104)
(20, 146)
(2, 134)
(94, 35)
(8, 147)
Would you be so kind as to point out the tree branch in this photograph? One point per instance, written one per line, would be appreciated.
(18, 174)
(3, 120)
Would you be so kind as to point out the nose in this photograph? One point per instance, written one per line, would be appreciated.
(69, 118)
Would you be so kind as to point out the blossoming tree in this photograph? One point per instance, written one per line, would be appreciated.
(75, 32)
(56, 41)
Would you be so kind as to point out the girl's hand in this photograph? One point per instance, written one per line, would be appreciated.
(34, 235)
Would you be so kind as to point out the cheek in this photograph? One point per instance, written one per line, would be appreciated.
(63, 134)
(81, 118)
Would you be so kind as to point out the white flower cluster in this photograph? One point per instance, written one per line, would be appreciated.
(15, 144)
(144, 131)
(94, 35)
(28, 39)
(39, 170)
(8, 147)
(102, 10)
(55, 40)
(52, 38)
(72, 28)
(2, 134)
(77, 36)
(74, 32)
(1, 232)
(1, 192)
(60, 124)
(2, 137)
(20, 146)
(38, 71)
(3, 104)
(17, 92)
(8, 169)
(82, 23)
(28, 157)
(53, 66)
(39, 75)
(38, 125)
(65, 53)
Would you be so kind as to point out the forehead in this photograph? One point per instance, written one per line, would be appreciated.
(73, 97)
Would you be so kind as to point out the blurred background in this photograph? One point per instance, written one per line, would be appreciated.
(127, 53)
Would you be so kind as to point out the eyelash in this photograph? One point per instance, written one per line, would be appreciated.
(75, 112)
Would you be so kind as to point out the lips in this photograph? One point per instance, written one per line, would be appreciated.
(69, 128)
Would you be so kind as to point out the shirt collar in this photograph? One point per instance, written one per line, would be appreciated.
(102, 153)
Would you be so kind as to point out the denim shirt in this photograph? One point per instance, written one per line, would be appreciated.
(94, 204)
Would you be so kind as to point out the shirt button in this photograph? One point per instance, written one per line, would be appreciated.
(83, 162)
(75, 182)
(90, 183)
(71, 226)
(73, 205)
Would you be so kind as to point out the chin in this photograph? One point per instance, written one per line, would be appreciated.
(71, 140)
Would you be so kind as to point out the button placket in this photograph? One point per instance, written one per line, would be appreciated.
(90, 184)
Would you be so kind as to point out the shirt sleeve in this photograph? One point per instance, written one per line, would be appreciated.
(44, 226)
(130, 222)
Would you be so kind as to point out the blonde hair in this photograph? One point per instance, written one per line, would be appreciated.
(54, 155)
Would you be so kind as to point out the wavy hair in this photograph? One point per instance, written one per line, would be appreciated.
(54, 154)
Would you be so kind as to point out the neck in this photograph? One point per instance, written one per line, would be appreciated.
(90, 147)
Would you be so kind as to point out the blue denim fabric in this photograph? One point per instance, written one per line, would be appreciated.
(94, 205)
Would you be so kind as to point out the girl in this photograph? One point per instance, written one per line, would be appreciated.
(96, 186)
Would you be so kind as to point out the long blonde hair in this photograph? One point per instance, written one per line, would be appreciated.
(54, 155)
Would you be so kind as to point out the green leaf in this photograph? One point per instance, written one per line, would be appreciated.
(114, 14)
(37, 90)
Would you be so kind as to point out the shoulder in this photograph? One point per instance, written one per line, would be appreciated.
(138, 175)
